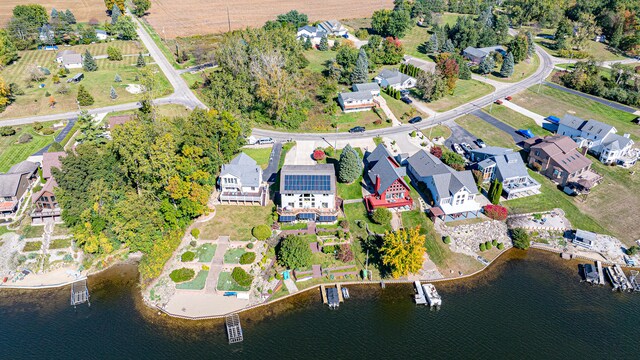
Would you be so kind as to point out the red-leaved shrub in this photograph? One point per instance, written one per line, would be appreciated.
(436, 151)
(344, 253)
(318, 155)
(495, 212)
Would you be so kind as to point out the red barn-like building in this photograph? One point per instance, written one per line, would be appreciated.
(386, 176)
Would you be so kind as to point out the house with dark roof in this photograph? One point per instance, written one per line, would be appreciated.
(14, 186)
(385, 177)
(453, 193)
(599, 138)
(356, 101)
(476, 55)
(395, 79)
(308, 193)
(556, 157)
(314, 33)
(240, 182)
(45, 204)
(507, 167)
(372, 87)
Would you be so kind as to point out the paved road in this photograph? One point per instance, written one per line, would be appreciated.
(269, 174)
(612, 104)
(499, 124)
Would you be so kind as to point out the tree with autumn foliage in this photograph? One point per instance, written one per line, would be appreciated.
(449, 69)
(403, 251)
(436, 151)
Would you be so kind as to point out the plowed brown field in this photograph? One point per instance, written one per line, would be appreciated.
(192, 17)
(83, 10)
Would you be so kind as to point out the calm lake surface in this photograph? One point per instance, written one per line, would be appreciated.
(529, 306)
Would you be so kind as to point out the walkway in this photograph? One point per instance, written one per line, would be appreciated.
(269, 174)
(499, 124)
(216, 265)
(387, 112)
(539, 119)
(291, 286)
(611, 104)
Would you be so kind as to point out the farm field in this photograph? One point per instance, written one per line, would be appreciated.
(83, 10)
(193, 17)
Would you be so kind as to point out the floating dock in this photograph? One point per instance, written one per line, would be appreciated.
(432, 295)
(419, 296)
(600, 272)
(633, 280)
(79, 293)
(234, 329)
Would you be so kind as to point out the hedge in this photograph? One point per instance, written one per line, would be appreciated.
(247, 258)
(195, 232)
(447, 240)
(261, 232)
(182, 275)
(241, 277)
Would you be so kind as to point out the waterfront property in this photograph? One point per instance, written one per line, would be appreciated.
(453, 192)
(51, 160)
(395, 79)
(356, 101)
(240, 182)
(14, 186)
(476, 55)
(386, 177)
(507, 167)
(308, 192)
(44, 201)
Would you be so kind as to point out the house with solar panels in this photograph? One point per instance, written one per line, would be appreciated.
(241, 182)
(308, 193)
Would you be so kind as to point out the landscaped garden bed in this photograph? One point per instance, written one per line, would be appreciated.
(205, 252)
(32, 246)
(197, 283)
(226, 283)
(60, 244)
(232, 256)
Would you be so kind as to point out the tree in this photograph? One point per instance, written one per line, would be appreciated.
(5, 95)
(34, 14)
(88, 62)
(632, 250)
(448, 46)
(495, 192)
(117, 78)
(349, 166)
(90, 132)
(583, 30)
(381, 216)
(125, 28)
(294, 18)
(84, 98)
(114, 53)
(113, 94)
(241, 276)
(307, 44)
(495, 212)
(391, 22)
(8, 50)
(115, 14)
(324, 44)
(531, 49)
(261, 232)
(616, 37)
(487, 64)
(563, 33)
(360, 73)
(520, 238)
(140, 62)
(434, 46)
(109, 5)
(141, 7)
(436, 151)
(452, 159)
(519, 47)
(507, 66)
(403, 251)
(71, 19)
(450, 70)
(465, 71)
(294, 253)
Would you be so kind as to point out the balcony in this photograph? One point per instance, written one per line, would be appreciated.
(240, 197)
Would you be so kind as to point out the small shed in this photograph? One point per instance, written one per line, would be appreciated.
(76, 78)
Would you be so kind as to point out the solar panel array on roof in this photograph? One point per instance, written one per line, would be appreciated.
(307, 183)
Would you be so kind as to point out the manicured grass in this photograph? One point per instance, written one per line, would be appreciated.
(318, 58)
(4, 230)
(598, 51)
(296, 226)
(521, 71)
(235, 221)
(205, 252)
(226, 283)
(60, 244)
(449, 18)
(465, 91)
(516, 120)
(550, 198)
(556, 102)
(197, 283)
(232, 256)
(11, 152)
(357, 212)
(260, 155)
(32, 231)
(438, 131)
(487, 132)
(403, 112)
(414, 42)
(32, 246)
(350, 191)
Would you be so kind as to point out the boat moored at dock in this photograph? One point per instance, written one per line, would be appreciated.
(432, 295)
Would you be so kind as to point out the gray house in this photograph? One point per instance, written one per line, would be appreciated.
(241, 182)
(476, 55)
(506, 166)
(395, 79)
(372, 87)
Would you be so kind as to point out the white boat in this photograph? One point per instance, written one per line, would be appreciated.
(419, 296)
(432, 295)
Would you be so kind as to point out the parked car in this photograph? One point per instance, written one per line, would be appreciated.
(346, 36)
(415, 120)
(264, 141)
(508, 98)
(499, 102)
(457, 149)
(525, 132)
(406, 100)
(466, 147)
(357, 129)
(480, 143)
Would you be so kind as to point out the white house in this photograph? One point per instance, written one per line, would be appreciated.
(61, 53)
(240, 181)
(601, 139)
(507, 167)
(395, 79)
(453, 192)
(314, 33)
(308, 192)
(72, 61)
(101, 34)
(356, 101)
(333, 27)
(372, 87)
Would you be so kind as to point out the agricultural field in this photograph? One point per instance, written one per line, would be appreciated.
(35, 101)
(83, 10)
(191, 17)
(12, 152)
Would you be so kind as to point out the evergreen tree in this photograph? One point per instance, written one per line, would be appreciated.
(88, 62)
(71, 19)
(465, 71)
(532, 46)
(115, 14)
(617, 35)
(495, 191)
(84, 98)
(349, 166)
(434, 46)
(90, 132)
(141, 62)
(487, 64)
(307, 44)
(486, 17)
(507, 66)
(448, 47)
(324, 44)
(360, 73)
(113, 94)
(54, 13)
(117, 78)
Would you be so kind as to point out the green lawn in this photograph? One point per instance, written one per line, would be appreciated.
(235, 221)
(350, 191)
(260, 155)
(556, 102)
(487, 132)
(226, 283)
(465, 91)
(438, 131)
(552, 198)
(515, 119)
(318, 58)
(521, 71)
(232, 256)
(197, 283)
(414, 41)
(404, 112)
(59, 244)
(11, 152)
(205, 252)
(357, 212)
(598, 51)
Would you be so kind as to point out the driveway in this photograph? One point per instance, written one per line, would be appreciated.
(63, 134)
(269, 174)
(611, 104)
(458, 135)
(499, 124)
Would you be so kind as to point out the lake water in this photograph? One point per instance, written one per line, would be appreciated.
(528, 306)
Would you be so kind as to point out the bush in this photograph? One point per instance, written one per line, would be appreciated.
(362, 34)
(494, 242)
(261, 232)
(37, 126)
(318, 155)
(344, 224)
(193, 243)
(25, 138)
(436, 151)
(195, 232)
(496, 212)
(7, 131)
(345, 254)
(48, 131)
(482, 247)
(520, 238)
(381, 216)
(329, 249)
(447, 239)
(188, 256)
(182, 275)
(488, 245)
(500, 246)
(632, 250)
(294, 253)
(329, 151)
(241, 277)
(250, 246)
(247, 258)
(413, 134)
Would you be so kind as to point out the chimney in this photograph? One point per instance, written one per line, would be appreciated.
(377, 183)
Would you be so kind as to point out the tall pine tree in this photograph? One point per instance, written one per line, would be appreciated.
(360, 73)
(71, 19)
(84, 98)
(324, 44)
(507, 66)
(487, 64)
(88, 62)
(113, 94)
(115, 14)
(140, 63)
(349, 165)
(448, 47)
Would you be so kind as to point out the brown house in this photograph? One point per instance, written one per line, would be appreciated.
(13, 187)
(557, 158)
(45, 203)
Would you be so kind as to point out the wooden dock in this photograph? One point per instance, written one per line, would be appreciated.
(79, 293)
(340, 297)
(323, 291)
(234, 329)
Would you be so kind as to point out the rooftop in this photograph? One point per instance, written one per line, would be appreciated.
(311, 179)
(447, 180)
(356, 96)
(51, 160)
(244, 168)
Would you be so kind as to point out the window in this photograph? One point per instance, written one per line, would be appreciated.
(538, 151)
